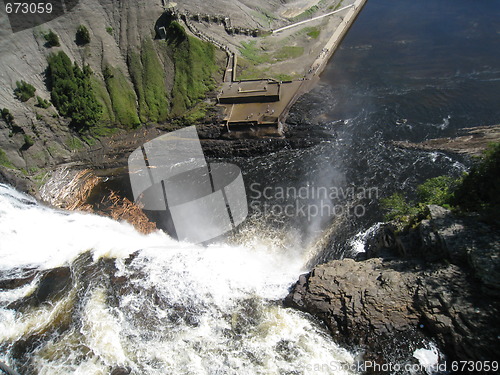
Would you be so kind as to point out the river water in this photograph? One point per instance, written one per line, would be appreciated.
(407, 70)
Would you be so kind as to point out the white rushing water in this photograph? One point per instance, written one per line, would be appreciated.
(172, 308)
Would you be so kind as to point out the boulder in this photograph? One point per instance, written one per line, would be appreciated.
(440, 287)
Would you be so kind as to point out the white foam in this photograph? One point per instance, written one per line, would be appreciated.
(183, 309)
(358, 242)
(428, 358)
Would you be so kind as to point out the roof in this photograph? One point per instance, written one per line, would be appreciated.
(250, 89)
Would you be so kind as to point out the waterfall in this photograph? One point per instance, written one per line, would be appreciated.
(148, 304)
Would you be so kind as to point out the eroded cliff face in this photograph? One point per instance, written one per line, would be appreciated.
(134, 78)
(438, 280)
(116, 30)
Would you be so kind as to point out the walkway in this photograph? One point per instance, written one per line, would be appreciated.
(312, 19)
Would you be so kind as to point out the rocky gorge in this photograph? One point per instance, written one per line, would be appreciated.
(439, 279)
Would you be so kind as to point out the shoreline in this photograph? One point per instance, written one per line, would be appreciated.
(258, 112)
(330, 48)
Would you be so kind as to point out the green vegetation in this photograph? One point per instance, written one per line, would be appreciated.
(52, 39)
(122, 96)
(82, 35)
(253, 54)
(308, 13)
(397, 208)
(289, 52)
(194, 62)
(7, 116)
(28, 142)
(437, 190)
(109, 30)
(248, 70)
(155, 91)
(4, 160)
(72, 93)
(312, 32)
(42, 103)
(102, 96)
(148, 76)
(74, 144)
(480, 189)
(476, 191)
(265, 17)
(24, 91)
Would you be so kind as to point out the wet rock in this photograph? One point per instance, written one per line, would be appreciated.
(382, 242)
(9, 283)
(17, 180)
(441, 286)
(53, 285)
(358, 300)
(471, 141)
(121, 371)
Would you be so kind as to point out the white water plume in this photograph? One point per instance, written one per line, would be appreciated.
(171, 308)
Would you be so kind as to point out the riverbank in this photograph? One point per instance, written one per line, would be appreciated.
(262, 113)
(469, 141)
(436, 281)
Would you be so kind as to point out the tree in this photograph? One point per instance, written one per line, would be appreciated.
(24, 91)
(7, 116)
(42, 103)
(72, 92)
(480, 187)
(52, 39)
(82, 35)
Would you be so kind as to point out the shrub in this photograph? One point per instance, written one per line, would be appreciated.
(82, 35)
(480, 187)
(477, 191)
(7, 116)
(24, 91)
(109, 30)
(52, 39)
(42, 103)
(28, 142)
(398, 208)
(438, 190)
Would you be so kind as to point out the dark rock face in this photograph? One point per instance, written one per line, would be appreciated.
(17, 180)
(53, 285)
(446, 287)
(121, 371)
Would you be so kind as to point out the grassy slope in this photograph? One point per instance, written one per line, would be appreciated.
(4, 160)
(123, 99)
(194, 62)
(148, 76)
(103, 98)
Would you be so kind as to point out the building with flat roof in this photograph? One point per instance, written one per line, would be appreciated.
(258, 91)
(256, 103)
